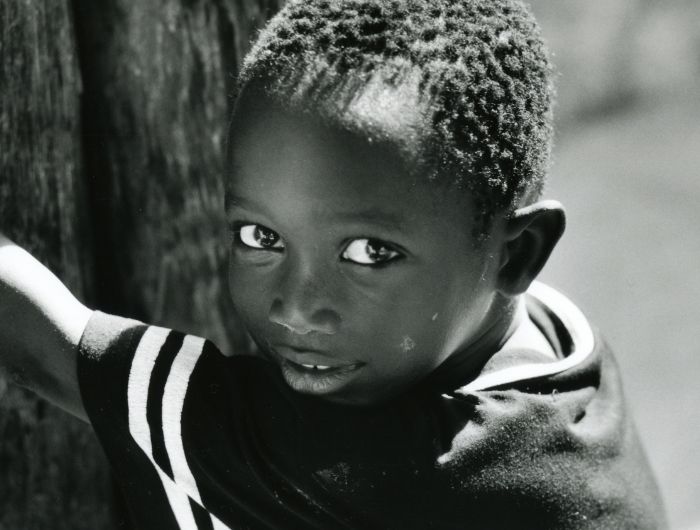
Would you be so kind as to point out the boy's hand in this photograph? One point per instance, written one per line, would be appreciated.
(41, 323)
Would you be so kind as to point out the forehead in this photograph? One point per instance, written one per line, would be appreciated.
(291, 160)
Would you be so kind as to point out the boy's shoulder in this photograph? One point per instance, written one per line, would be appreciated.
(556, 431)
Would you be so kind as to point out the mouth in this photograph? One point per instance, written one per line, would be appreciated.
(314, 372)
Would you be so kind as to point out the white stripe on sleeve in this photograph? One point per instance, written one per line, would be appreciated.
(139, 380)
(137, 398)
(218, 525)
(179, 503)
(173, 403)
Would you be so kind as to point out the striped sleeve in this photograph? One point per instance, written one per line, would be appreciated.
(134, 379)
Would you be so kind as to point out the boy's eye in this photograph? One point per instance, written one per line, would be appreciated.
(258, 236)
(369, 252)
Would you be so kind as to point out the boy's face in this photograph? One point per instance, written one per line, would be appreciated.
(356, 278)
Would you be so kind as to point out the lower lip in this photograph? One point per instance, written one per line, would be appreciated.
(310, 381)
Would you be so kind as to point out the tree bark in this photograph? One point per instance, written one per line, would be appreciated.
(52, 472)
(159, 81)
(112, 133)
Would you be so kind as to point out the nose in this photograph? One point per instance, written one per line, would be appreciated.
(302, 304)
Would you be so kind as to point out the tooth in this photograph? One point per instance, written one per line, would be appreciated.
(315, 366)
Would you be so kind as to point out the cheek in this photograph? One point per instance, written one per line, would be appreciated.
(409, 329)
(249, 293)
(435, 315)
(416, 346)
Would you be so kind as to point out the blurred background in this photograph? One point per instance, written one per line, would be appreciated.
(112, 125)
(627, 167)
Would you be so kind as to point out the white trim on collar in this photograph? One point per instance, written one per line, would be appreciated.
(576, 325)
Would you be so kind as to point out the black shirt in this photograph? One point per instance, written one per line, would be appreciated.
(199, 440)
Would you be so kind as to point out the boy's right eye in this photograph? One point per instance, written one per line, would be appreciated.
(259, 237)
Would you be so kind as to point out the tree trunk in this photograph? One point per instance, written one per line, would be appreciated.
(112, 131)
(52, 472)
(159, 80)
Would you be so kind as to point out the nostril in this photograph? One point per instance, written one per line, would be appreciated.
(291, 328)
(297, 320)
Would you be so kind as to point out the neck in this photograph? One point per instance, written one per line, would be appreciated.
(502, 320)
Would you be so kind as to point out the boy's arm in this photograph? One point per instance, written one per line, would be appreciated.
(41, 324)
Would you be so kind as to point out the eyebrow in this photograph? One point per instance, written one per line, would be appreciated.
(370, 216)
(235, 200)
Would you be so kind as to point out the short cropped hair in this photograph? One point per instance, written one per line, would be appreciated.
(484, 81)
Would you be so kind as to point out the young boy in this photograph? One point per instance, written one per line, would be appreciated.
(386, 163)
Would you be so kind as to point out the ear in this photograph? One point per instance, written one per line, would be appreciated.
(530, 236)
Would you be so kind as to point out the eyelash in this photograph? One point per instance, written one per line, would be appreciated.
(398, 255)
(375, 243)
